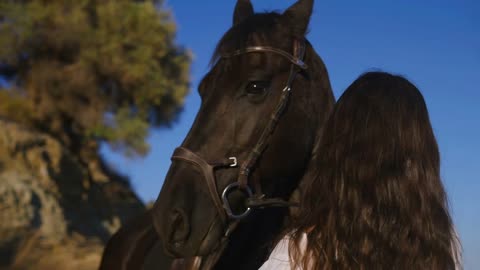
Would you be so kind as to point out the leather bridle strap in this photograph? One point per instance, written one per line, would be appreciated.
(294, 59)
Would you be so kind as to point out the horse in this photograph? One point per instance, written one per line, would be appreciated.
(264, 103)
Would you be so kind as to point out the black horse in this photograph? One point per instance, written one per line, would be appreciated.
(264, 103)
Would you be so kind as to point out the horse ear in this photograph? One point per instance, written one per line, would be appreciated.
(243, 10)
(298, 16)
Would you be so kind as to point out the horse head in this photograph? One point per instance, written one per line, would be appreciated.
(264, 103)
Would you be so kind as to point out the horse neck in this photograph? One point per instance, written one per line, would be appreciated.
(252, 240)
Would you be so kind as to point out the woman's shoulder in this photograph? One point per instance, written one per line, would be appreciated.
(280, 258)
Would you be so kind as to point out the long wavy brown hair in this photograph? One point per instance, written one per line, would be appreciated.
(377, 200)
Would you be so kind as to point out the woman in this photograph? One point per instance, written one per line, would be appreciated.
(376, 201)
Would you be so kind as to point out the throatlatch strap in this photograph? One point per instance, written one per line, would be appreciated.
(262, 202)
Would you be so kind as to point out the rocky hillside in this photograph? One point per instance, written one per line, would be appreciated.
(55, 212)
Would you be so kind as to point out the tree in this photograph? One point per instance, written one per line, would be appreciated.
(90, 71)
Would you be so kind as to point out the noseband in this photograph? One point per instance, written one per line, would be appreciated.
(257, 199)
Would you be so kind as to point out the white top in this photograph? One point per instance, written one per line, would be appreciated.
(279, 258)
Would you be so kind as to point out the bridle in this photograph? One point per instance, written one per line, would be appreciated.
(257, 199)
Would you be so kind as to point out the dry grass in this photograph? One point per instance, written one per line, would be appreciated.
(76, 253)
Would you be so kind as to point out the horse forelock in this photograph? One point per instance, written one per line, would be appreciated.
(261, 29)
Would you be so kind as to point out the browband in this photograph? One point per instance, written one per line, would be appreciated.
(293, 59)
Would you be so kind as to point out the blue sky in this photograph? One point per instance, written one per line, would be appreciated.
(435, 44)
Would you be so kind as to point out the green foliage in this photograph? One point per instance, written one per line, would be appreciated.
(86, 70)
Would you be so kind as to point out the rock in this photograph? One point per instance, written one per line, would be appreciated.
(55, 210)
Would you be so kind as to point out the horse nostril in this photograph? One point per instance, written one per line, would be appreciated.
(180, 228)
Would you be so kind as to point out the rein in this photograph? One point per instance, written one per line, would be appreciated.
(257, 199)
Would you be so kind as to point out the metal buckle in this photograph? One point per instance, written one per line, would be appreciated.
(234, 159)
(226, 204)
(287, 88)
(300, 63)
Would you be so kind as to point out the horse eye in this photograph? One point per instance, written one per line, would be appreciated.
(257, 87)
